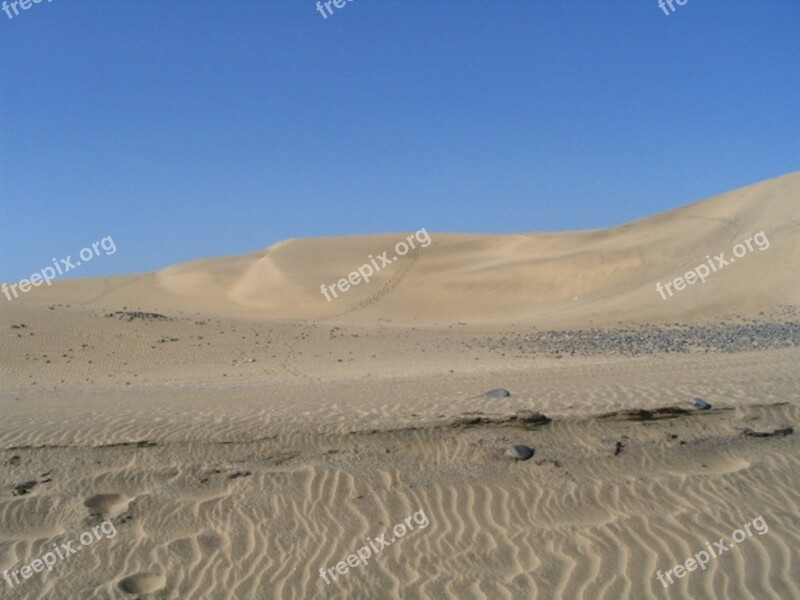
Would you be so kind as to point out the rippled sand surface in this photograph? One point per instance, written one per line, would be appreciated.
(241, 434)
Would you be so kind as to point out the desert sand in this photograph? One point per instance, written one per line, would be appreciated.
(242, 433)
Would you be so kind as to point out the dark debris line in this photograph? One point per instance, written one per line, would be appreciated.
(650, 339)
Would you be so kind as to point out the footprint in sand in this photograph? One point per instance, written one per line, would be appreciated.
(106, 506)
(142, 583)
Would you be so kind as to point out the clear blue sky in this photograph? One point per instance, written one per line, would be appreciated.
(190, 129)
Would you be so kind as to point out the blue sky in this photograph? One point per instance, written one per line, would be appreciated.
(192, 129)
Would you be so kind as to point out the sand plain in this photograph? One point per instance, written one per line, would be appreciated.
(241, 433)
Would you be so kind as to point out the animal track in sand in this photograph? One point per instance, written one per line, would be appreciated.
(142, 583)
(106, 506)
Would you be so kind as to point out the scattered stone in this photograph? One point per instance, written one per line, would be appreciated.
(701, 404)
(653, 339)
(761, 434)
(618, 448)
(23, 488)
(533, 417)
(520, 452)
(143, 316)
(497, 393)
(239, 474)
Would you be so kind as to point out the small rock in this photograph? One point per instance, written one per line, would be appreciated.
(497, 393)
(520, 452)
(533, 417)
(701, 404)
(777, 432)
(23, 488)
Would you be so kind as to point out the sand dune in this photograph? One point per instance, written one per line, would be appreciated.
(568, 278)
(565, 279)
(242, 433)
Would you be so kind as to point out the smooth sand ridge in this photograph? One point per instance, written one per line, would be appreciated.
(571, 276)
(566, 279)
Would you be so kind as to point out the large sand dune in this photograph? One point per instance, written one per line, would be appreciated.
(604, 276)
(248, 432)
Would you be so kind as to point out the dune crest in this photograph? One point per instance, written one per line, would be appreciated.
(572, 279)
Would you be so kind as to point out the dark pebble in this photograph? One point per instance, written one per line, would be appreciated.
(701, 404)
(520, 452)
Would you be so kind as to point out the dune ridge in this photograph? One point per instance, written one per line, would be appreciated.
(559, 279)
